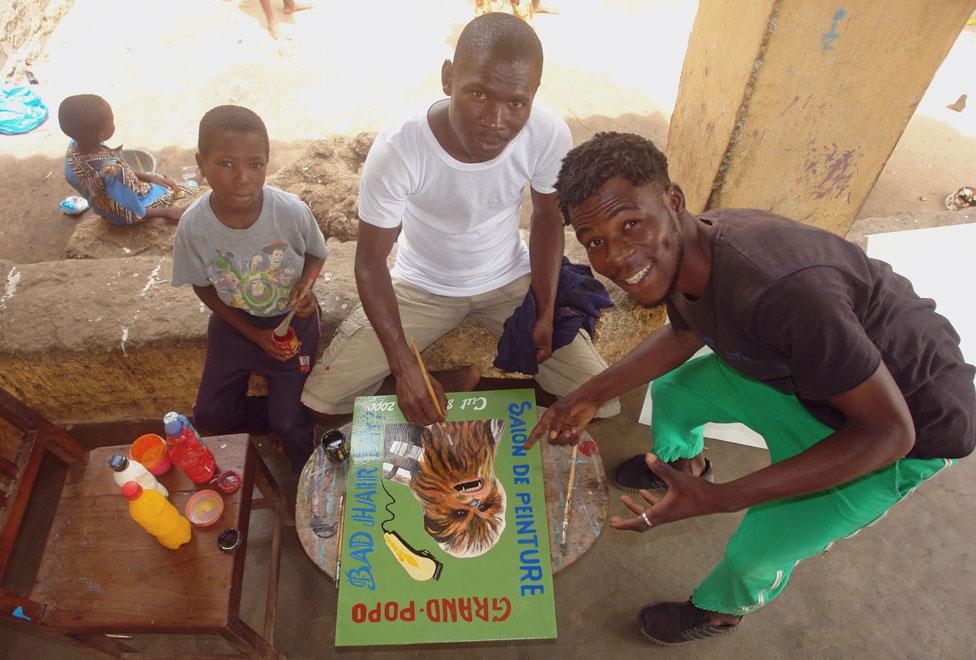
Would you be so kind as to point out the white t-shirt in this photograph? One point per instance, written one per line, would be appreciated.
(252, 269)
(460, 221)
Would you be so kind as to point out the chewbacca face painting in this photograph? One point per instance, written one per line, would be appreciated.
(463, 502)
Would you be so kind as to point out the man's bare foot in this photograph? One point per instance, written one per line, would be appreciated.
(719, 619)
(273, 30)
(694, 466)
(292, 7)
(462, 379)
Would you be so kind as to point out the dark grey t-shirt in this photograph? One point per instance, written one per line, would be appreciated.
(810, 314)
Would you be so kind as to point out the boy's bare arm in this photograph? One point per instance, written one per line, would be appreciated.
(157, 178)
(238, 320)
(379, 302)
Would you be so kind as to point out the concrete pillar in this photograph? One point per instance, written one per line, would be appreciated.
(795, 105)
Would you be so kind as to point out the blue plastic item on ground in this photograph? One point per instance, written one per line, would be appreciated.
(73, 205)
(21, 110)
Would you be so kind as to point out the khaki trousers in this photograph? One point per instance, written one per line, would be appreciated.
(355, 365)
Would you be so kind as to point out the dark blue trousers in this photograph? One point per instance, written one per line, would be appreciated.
(222, 403)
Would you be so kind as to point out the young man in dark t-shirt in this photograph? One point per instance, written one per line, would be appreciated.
(858, 387)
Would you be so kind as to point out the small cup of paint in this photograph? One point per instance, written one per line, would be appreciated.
(204, 507)
(150, 450)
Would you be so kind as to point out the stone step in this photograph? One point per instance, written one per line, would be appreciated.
(104, 340)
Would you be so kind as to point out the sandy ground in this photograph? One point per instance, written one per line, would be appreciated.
(347, 67)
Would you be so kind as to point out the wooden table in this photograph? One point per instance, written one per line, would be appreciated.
(323, 483)
(100, 573)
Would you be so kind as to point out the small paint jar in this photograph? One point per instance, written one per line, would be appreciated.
(229, 540)
(334, 443)
(289, 342)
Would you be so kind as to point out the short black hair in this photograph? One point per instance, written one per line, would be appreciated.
(607, 155)
(500, 36)
(82, 115)
(229, 118)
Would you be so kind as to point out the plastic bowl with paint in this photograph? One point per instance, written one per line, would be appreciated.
(204, 508)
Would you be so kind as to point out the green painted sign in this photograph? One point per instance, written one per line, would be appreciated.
(444, 530)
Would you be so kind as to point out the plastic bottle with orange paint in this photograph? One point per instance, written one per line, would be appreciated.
(156, 515)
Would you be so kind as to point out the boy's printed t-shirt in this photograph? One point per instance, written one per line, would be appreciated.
(252, 269)
(460, 220)
(810, 314)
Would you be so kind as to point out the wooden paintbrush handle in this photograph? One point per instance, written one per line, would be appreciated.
(308, 284)
(282, 328)
(569, 491)
(423, 371)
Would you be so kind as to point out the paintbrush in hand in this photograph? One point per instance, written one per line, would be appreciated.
(282, 328)
(423, 371)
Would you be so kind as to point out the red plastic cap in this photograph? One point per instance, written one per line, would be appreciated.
(131, 490)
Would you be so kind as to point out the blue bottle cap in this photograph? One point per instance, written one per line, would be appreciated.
(173, 425)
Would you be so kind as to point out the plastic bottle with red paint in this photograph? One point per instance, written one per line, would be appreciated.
(186, 450)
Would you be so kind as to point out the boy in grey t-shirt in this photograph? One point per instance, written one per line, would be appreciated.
(248, 250)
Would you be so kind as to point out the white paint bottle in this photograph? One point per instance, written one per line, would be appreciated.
(126, 469)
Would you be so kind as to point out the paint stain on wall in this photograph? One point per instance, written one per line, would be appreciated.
(828, 37)
(831, 167)
(13, 278)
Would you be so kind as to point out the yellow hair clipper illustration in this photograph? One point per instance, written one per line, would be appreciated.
(419, 564)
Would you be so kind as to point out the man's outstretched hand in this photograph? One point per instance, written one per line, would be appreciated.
(563, 422)
(686, 497)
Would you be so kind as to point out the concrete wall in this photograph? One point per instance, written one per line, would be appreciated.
(25, 25)
(795, 105)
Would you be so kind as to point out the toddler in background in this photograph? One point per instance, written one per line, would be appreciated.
(99, 173)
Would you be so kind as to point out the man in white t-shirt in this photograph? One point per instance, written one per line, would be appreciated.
(448, 185)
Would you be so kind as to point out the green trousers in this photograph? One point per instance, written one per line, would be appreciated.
(774, 536)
